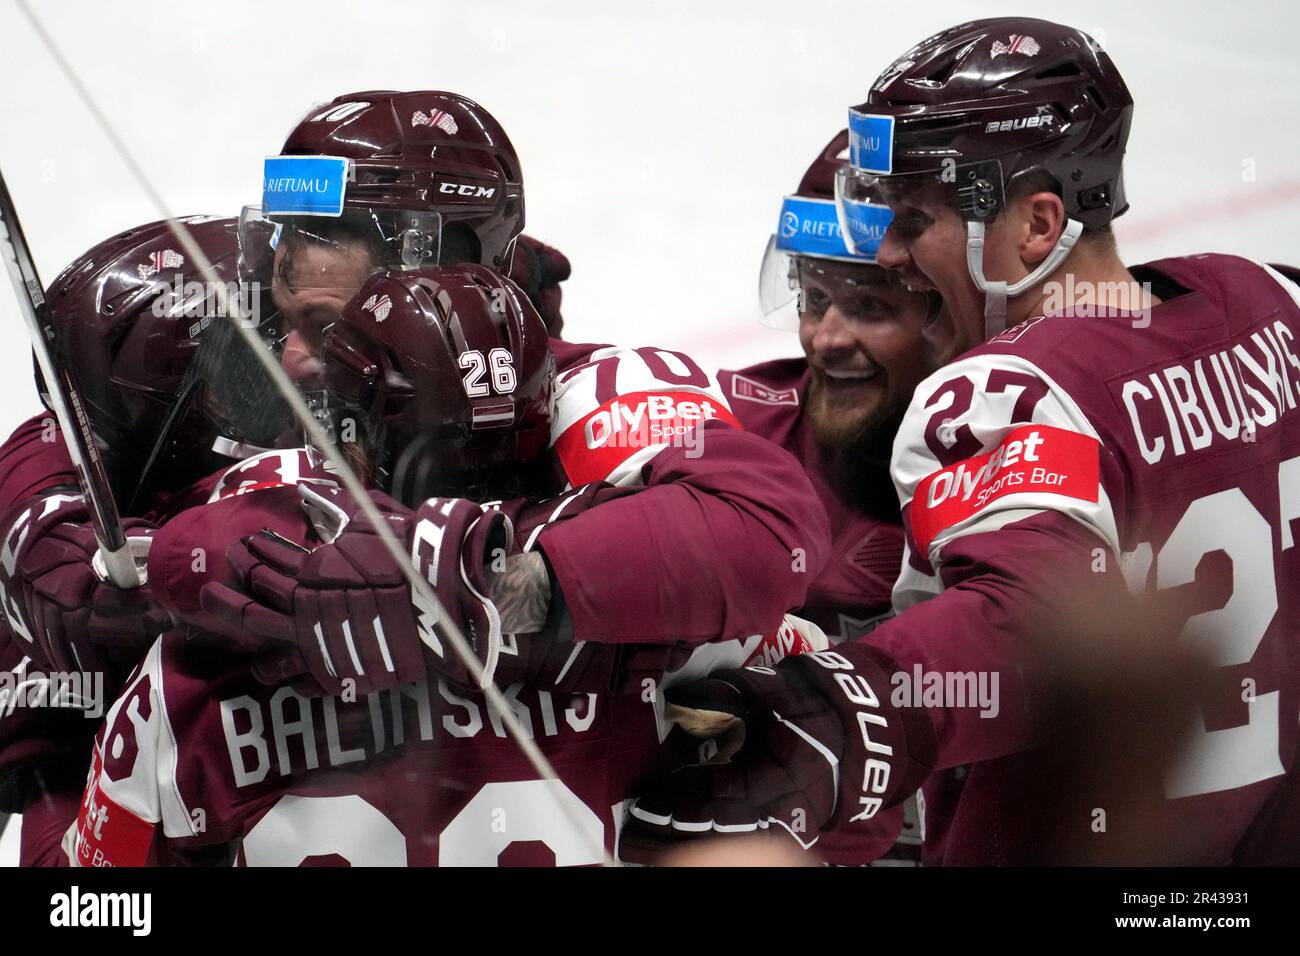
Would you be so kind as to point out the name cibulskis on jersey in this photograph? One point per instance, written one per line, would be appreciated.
(75, 909)
(1213, 398)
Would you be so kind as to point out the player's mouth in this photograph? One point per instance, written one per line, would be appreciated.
(851, 383)
(850, 374)
(933, 307)
(913, 280)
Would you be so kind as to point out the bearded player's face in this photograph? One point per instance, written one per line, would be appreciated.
(869, 344)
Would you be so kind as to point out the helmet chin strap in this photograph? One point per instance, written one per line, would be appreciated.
(997, 293)
(236, 449)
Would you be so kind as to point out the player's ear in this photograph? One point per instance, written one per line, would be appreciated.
(1043, 215)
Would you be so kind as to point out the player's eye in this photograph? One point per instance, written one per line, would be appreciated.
(909, 223)
(815, 301)
(867, 308)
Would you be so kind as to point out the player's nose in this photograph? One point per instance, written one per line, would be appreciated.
(834, 334)
(893, 252)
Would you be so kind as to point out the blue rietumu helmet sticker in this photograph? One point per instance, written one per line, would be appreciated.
(871, 142)
(304, 185)
(811, 227)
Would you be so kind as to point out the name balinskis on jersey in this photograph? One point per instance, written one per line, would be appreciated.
(1214, 398)
(291, 734)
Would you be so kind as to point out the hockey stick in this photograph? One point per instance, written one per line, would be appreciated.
(64, 397)
(321, 441)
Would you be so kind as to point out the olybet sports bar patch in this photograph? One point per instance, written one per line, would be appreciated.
(785, 641)
(871, 142)
(598, 443)
(304, 185)
(1032, 459)
(108, 834)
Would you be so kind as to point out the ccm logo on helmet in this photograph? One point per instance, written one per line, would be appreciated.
(467, 189)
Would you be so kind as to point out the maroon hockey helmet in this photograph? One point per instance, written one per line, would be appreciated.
(133, 315)
(968, 112)
(439, 382)
(427, 150)
(999, 98)
(818, 180)
(432, 179)
(809, 230)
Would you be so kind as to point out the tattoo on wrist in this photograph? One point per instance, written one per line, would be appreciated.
(522, 593)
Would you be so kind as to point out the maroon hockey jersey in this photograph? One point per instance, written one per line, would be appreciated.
(745, 531)
(1165, 446)
(40, 746)
(435, 779)
(851, 593)
(634, 417)
(199, 763)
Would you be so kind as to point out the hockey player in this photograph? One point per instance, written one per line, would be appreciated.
(433, 178)
(1110, 425)
(867, 342)
(135, 314)
(135, 361)
(761, 556)
(377, 180)
(399, 767)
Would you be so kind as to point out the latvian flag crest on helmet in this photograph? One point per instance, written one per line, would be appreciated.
(1019, 43)
(166, 259)
(439, 118)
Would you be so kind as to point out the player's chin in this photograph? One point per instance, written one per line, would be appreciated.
(841, 415)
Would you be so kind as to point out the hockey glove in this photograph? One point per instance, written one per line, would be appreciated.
(802, 747)
(346, 607)
(56, 593)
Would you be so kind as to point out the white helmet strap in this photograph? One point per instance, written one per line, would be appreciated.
(997, 293)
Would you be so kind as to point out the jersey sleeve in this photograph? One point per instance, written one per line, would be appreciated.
(32, 460)
(726, 532)
(131, 792)
(189, 550)
(621, 407)
(41, 747)
(1009, 498)
(988, 441)
(45, 821)
(717, 545)
(43, 750)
